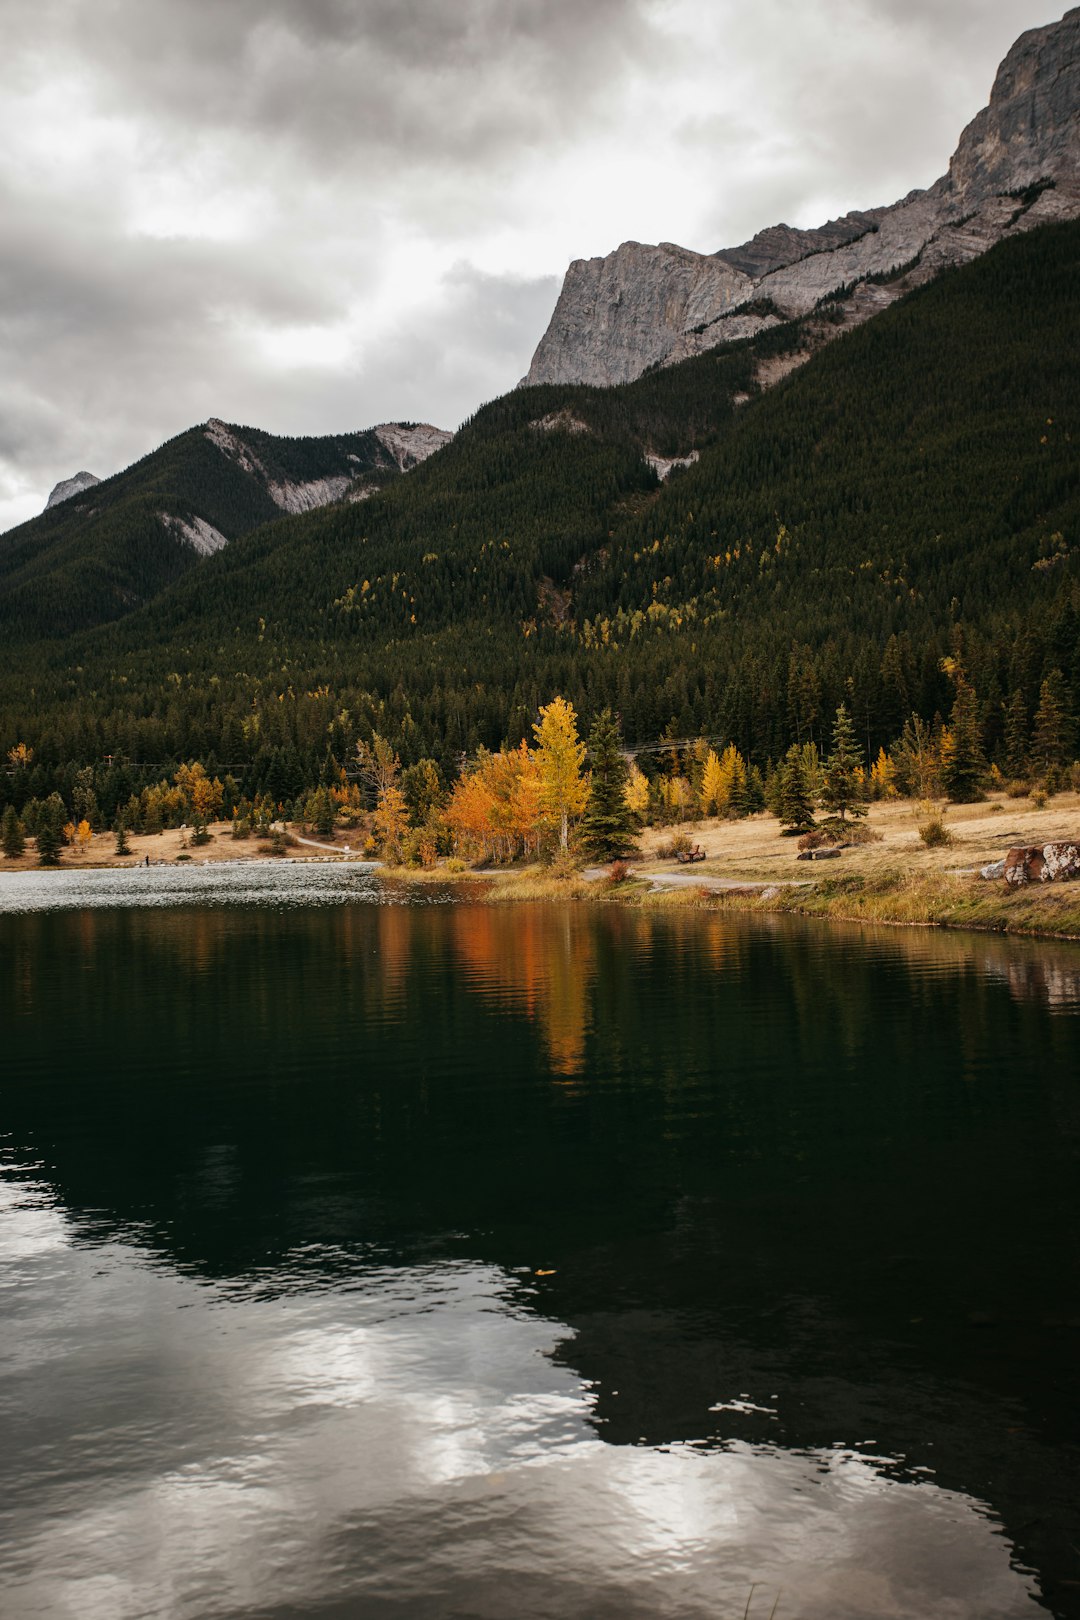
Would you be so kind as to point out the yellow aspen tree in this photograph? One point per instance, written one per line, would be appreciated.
(731, 792)
(390, 821)
(559, 756)
(637, 790)
(712, 782)
(83, 835)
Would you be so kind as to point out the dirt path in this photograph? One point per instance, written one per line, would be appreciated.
(342, 850)
(693, 880)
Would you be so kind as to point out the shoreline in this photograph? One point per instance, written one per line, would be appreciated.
(891, 880)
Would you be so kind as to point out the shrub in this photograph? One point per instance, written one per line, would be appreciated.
(678, 845)
(618, 872)
(241, 827)
(812, 840)
(1038, 798)
(934, 833)
(1016, 789)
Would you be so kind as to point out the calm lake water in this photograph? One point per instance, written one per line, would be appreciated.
(373, 1257)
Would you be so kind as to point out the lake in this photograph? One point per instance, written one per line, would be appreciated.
(374, 1252)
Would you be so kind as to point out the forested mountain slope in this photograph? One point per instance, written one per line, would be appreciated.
(912, 492)
(112, 547)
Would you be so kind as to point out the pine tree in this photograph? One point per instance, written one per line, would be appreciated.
(608, 823)
(323, 812)
(12, 838)
(120, 834)
(842, 789)
(1051, 737)
(794, 800)
(50, 833)
(1016, 735)
(962, 759)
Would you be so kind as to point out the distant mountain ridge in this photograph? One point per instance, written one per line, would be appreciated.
(104, 547)
(1017, 165)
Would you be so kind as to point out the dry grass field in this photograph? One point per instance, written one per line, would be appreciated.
(755, 851)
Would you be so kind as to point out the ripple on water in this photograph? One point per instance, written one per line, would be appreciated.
(218, 883)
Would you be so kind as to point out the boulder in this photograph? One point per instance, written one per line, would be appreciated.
(1041, 863)
(996, 869)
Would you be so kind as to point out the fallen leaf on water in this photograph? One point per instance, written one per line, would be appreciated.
(550, 1273)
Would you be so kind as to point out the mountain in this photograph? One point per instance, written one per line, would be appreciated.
(67, 487)
(102, 548)
(1017, 166)
(909, 494)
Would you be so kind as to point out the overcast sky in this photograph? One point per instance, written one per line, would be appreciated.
(316, 215)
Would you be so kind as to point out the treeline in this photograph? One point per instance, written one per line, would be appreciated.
(906, 504)
(542, 798)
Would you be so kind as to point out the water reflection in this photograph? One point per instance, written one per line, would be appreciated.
(413, 1447)
(384, 1259)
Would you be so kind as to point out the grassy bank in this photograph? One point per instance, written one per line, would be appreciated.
(933, 900)
(750, 866)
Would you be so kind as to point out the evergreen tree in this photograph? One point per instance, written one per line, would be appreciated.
(1052, 734)
(794, 800)
(608, 823)
(120, 833)
(962, 760)
(842, 790)
(1015, 740)
(12, 838)
(50, 832)
(323, 812)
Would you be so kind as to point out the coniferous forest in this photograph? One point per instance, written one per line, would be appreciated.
(893, 526)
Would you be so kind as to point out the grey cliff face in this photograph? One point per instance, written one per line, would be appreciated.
(1030, 131)
(67, 487)
(1017, 165)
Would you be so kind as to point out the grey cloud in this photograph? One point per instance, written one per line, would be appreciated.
(351, 135)
(422, 79)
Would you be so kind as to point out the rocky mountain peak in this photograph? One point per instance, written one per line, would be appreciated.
(1017, 165)
(1030, 130)
(67, 487)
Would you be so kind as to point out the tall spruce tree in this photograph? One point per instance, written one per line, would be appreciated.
(12, 838)
(962, 760)
(607, 827)
(1015, 739)
(50, 832)
(1052, 734)
(794, 800)
(841, 790)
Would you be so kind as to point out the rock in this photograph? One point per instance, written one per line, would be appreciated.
(410, 443)
(196, 533)
(1061, 863)
(67, 487)
(406, 445)
(1045, 863)
(996, 869)
(1017, 165)
(825, 854)
(663, 466)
